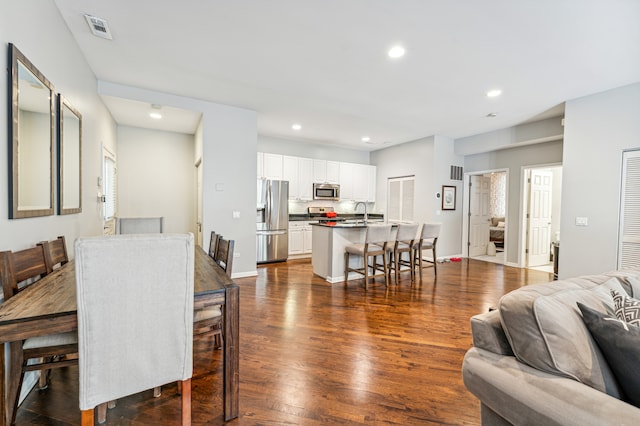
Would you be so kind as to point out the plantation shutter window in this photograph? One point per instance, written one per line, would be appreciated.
(629, 227)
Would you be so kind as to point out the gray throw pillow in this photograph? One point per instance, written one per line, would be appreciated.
(620, 344)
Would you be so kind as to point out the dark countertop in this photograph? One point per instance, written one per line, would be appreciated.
(341, 216)
(348, 224)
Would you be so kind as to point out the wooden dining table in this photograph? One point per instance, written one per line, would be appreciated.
(48, 306)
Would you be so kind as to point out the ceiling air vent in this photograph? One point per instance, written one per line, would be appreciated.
(98, 27)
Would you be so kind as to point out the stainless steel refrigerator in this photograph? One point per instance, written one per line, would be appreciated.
(272, 220)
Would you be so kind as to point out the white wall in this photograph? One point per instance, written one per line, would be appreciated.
(546, 130)
(38, 30)
(45, 40)
(157, 177)
(229, 138)
(598, 129)
(420, 158)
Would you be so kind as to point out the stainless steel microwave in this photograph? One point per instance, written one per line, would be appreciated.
(326, 191)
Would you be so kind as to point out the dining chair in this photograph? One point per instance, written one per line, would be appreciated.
(139, 225)
(376, 244)
(209, 319)
(55, 253)
(406, 235)
(427, 241)
(213, 243)
(18, 270)
(135, 317)
(224, 255)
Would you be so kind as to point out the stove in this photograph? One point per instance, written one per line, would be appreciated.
(323, 214)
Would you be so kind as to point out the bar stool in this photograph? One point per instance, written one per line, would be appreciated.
(427, 240)
(375, 244)
(406, 236)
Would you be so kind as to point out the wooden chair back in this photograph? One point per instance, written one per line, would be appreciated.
(55, 253)
(213, 243)
(224, 255)
(19, 266)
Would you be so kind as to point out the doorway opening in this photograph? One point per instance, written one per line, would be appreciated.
(540, 221)
(487, 216)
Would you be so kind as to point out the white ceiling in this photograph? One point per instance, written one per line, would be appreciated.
(323, 64)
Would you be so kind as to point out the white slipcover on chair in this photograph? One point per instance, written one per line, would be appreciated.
(135, 315)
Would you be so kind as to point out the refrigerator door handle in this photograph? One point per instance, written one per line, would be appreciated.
(280, 232)
(269, 204)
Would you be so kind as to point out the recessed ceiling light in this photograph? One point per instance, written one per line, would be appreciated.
(155, 115)
(494, 93)
(492, 114)
(296, 127)
(366, 139)
(396, 52)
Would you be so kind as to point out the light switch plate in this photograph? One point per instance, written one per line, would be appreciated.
(236, 215)
(582, 221)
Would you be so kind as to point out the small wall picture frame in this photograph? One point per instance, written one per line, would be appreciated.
(448, 197)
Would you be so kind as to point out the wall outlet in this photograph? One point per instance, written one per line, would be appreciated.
(236, 215)
(236, 254)
(582, 221)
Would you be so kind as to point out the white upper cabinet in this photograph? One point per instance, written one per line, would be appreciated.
(361, 182)
(319, 171)
(371, 173)
(290, 173)
(305, 179)
(271, 166)
(299, 172)
(357, 181)
(346, 181)
(333, 172)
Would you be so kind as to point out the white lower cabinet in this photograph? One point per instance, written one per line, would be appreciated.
(299, 238)
(296, 238)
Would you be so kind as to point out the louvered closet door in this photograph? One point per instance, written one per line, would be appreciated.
(629, 240)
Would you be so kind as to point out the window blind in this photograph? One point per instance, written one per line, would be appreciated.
(629, 233)
(109, 188)
(400, 199)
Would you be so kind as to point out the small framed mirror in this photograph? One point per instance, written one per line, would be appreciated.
(69, 158)
(31, 129)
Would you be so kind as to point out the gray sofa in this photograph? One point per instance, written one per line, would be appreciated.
(534, 362)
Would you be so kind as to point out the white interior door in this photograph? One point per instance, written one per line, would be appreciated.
(479, 214)
(539, 223)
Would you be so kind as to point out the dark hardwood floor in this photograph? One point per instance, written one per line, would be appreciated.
(320, 353)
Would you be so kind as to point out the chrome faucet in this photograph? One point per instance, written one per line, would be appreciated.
(366, 215)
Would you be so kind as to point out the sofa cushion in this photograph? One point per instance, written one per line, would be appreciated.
(545, 329)
(627, 308)
(630, 280)
(487, 333)
(620, 343)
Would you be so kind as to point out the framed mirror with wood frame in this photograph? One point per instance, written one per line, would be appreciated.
(31, 133)
(69, 158)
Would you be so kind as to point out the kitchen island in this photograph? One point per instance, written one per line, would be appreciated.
(329, 242)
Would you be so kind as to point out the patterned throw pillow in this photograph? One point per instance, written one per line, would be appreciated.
(627, 308)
